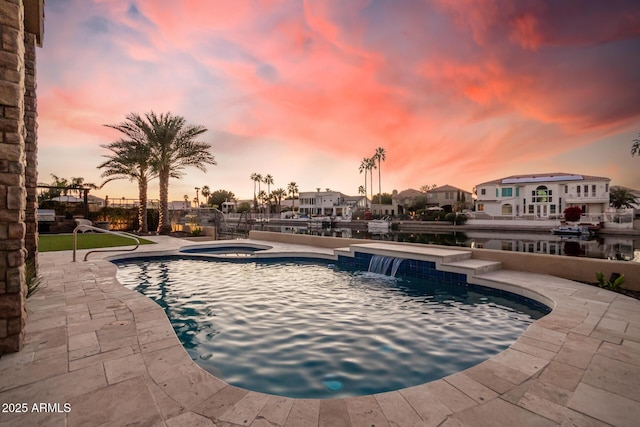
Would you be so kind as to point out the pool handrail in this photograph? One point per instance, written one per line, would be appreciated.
(84, 227)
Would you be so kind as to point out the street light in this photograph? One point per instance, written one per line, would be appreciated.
(197, 199)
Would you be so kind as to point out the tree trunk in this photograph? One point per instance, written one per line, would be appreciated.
(143, 227)
(164, 224)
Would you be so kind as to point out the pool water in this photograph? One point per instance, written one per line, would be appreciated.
(312, 330)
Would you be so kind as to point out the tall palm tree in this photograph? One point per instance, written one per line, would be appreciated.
(380, 156)
(268, 179)
(206, 192)
(173, 147)
(371, 165)
(364, 167)
(292, 188)
(186, 201)
(256, 178)
(129, 159)
(635, 148)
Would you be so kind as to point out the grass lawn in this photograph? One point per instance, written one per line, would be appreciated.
(64, 242)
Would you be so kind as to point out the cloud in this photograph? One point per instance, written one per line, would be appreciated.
(454, 90)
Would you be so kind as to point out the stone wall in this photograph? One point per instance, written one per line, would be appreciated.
(31, 149)
(12, 176)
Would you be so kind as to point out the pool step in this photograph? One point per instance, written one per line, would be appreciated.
(474, 267)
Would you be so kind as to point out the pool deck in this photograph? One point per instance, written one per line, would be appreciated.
(111, 354)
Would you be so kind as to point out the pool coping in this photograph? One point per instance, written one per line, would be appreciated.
(111, 353)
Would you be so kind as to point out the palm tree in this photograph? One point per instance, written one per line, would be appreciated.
(206, 192)
(79, 184)
(620, 197)
(173, 147)
(362, 190)
(130, 160)
(268, 179)
(381, 155)
(292, 188)
(364, 167)
(256, 178)
(278, 194)
(371, 165)
(635, 148)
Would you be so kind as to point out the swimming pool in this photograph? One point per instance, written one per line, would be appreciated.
(309, 329)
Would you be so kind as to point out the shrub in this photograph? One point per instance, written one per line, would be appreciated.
(196, 231)
(31, 277)
(613, 283)
(572, 213)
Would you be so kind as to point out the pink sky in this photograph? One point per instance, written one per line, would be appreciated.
(457, 92)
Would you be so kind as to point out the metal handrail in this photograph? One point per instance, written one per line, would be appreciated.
(101, 230)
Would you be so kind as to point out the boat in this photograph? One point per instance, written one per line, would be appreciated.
(572, 230)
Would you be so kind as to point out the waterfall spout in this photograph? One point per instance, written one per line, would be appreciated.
(381, 264)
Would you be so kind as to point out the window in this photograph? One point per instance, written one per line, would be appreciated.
(586, 191)
(507, 192)
(541, 195)
(593, 191)
(517, 191)
(606, 187)
(480, 207)
(497, 192)
(552, 209)
(531, 209)
(483, 192)
(566, 189)
(507, 209)
(578, 189)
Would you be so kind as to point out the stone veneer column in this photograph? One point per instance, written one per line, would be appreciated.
(12, 179)
(31, 149)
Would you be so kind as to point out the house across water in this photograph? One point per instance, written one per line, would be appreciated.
(544, 196)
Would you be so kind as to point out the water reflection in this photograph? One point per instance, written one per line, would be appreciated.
(607, 247)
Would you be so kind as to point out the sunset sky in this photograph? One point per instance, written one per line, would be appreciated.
(458, 92)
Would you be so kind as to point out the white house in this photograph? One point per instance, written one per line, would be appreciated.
(329, 203)
(543, 195)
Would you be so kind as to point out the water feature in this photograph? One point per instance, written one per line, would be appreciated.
(381, 263)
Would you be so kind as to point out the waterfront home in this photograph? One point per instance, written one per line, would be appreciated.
(406, 201)
(543, 196)
(330, 203)
(449, 198)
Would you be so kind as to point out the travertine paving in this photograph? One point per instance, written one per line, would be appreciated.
(99, 354)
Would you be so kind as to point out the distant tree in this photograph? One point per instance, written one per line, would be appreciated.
(218, 197)
(278, 195)
(268, 179)
(380, 156)
(186, 201)
(362, 190)
(257, 179)
(386, 199)
(292, 190)
(620, 197)
(572, 213)
(635, 147)
(79, 184)
(425, 188)
(243, 207)
(206, 192)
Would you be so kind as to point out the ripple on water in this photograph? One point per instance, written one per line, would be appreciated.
(308, 331)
